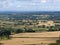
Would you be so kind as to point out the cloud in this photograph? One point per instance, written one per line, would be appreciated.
(29, 4)
(23, 0)
(43, 1)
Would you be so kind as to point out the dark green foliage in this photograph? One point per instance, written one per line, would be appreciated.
(43, 26)
(29, 30)
(18, 31)
(51, 29)
(5, 34)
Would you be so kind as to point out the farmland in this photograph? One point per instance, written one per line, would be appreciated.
(33, 38)
(32, 28)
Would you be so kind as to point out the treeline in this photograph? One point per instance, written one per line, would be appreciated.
(6, 32)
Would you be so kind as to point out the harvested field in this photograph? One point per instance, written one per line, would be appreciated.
(41, 34)
(33, 38)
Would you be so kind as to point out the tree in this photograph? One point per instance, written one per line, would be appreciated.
(5, 34)
(43, 26)
(51, 29)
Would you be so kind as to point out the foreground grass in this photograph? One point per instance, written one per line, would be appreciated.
(4, 38)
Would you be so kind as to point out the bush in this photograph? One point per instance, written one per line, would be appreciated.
(29, 30)
(51, 29)
(19, 31)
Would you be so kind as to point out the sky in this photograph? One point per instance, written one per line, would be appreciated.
(29, 5)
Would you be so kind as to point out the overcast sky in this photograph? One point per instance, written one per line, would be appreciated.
(30, 5)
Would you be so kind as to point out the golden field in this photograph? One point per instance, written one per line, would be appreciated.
(33, 38)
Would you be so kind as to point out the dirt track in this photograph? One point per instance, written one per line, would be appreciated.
(34, 38)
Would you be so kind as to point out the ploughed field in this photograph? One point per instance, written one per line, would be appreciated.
(42, 38)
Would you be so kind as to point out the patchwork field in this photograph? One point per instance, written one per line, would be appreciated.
(42, 38)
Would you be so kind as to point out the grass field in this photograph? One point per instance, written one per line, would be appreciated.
(33, 38)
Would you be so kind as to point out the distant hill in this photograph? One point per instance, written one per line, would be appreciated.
(46, 15)
(30, 13)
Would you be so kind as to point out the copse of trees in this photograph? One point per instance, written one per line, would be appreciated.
(5, 34)
(54, 29)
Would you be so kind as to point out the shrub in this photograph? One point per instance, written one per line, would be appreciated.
(18, 31)
(29, 30)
